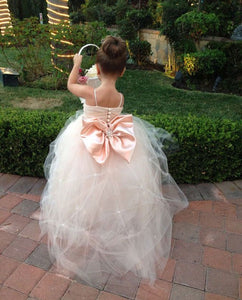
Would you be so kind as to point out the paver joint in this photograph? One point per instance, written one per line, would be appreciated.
(205, 261)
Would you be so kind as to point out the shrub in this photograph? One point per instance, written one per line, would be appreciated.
(232, 70)
(31, 40)
(210, 150)
(171, 10)
(26, 8)
(24, 139)
(54, 81)
(156, 9)
(233, 53)
(132, 22)
(99, 12)
(77, 36)
(228, 13)
(121, 8)
(140, 51)
(77, 17)
(195, 24)
(203, 64)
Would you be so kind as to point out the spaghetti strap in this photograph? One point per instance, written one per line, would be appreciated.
(121, 96)
(95, 96)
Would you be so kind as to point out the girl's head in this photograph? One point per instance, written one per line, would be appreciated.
(112, 56)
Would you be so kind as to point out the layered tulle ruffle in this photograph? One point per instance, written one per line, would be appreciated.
(114, 217)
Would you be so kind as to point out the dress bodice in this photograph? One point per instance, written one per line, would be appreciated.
(100, 112)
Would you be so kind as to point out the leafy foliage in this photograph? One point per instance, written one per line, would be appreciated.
(233, 53)
(99, 12)
(195, 24)
(26, 141)
(29, 38)
(232, 70)
(32, 41)
(204, 63)
(132, 22)
(172, 10)
(75, 5)
(140, 51)
(209, 150)
(77, 17)
(22, 9)
(77, 36)
(228, 13)
(156, 9)
(198, 18)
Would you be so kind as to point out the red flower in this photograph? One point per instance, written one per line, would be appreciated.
(82, 79)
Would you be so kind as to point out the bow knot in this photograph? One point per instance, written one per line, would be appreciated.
(109, 132)
(99, 136)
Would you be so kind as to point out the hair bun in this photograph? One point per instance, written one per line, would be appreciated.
(112, 46)
(112, 55)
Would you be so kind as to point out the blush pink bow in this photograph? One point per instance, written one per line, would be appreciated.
(99, 136)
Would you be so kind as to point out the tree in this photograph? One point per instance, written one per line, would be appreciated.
(74, 5)
(57, 11)
(22, 9)
(172, 10)
(195, 24)
(58, 14)
(229, 13)
(5, 19)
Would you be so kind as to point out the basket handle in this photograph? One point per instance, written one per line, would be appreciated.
(87, 45)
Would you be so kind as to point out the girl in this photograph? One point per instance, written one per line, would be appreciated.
(109, 200)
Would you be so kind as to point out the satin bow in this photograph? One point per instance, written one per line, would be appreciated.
(99, 136)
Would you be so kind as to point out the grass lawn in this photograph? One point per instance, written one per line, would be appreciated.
(146, 92)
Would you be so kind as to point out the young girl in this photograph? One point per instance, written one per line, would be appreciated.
(109, 200)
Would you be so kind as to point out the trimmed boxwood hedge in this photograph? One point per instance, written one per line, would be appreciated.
(209, 149)
(25, 138)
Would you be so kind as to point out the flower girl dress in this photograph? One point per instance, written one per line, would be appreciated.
(109, 199)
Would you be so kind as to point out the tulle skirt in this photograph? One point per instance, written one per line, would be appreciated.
(112, 218)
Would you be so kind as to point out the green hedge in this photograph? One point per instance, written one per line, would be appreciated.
(209, 150)
(25, 138)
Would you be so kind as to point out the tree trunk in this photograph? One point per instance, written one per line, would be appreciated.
(58, 13)
(5, 19)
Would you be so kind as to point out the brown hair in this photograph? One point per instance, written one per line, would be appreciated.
(112, 55)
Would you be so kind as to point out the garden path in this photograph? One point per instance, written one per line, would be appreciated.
(205, 261)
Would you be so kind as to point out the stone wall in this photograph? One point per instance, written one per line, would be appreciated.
(162, 52)
(159, 45)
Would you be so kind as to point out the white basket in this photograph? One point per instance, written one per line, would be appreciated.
(85, 46)
(92, 81)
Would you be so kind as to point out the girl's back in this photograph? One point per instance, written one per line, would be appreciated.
(105, 97)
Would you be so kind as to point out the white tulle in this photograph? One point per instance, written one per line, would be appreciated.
(111, 218)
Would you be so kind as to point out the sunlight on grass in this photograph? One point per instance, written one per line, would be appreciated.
(145, 92)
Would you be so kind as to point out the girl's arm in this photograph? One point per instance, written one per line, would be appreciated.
(76, 89)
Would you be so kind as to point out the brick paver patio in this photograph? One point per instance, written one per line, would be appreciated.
(205, 261)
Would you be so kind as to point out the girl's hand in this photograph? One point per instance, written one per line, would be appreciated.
(77, 59)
